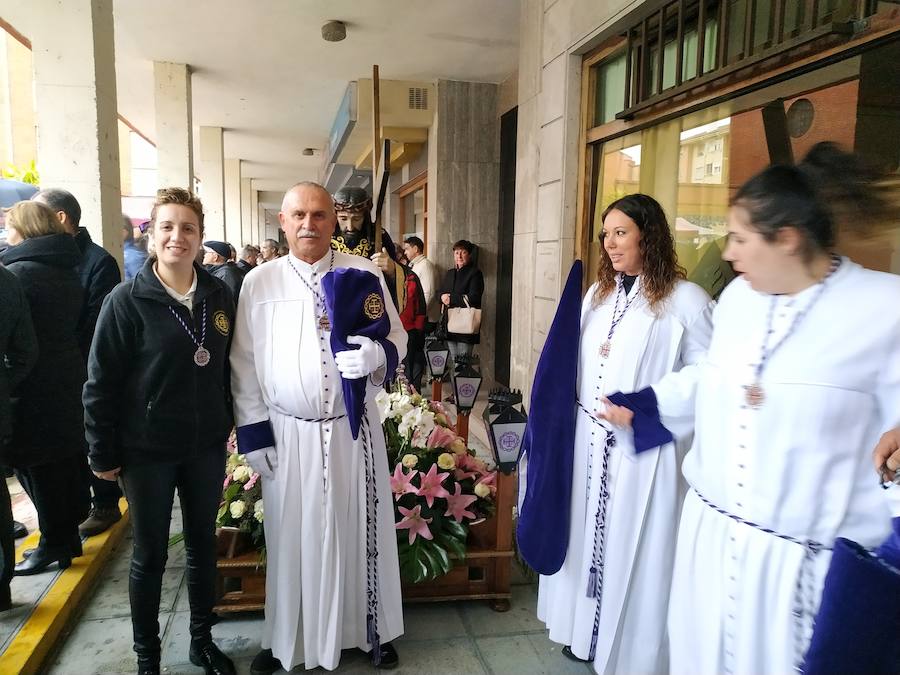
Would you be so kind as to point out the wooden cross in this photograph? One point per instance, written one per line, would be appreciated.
(381, 160)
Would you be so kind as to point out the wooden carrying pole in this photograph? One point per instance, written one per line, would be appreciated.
(376, 152)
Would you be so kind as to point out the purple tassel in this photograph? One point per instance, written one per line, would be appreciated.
(592, 583)
(373, 639)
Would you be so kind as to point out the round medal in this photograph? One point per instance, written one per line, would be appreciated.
(201, 356)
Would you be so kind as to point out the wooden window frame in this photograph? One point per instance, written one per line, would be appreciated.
(407, 189)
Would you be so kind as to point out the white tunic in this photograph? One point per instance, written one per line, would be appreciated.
(315, 507)
(799, 465)
(645, 490)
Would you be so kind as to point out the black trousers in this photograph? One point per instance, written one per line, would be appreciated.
(150, 491)
(7, 542)
(57, 491)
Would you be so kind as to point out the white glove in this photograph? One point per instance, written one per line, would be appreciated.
(263, 461)
(384, 262)
(356, 363)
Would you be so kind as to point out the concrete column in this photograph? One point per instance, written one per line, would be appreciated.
(247, 234)
(75, 110)
(212, 176)
(255, 225)
(233, 202)
(174, 143)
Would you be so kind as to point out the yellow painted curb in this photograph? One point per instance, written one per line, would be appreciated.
(28, 650)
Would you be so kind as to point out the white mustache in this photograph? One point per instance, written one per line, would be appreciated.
(308, 234)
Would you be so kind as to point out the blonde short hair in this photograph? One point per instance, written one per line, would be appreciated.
(176, 195)
(33, 219)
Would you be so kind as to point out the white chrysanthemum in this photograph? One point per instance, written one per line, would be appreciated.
(258, 510)
(237, 508)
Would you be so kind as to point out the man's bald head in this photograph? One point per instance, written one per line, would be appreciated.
(307, 218)
(306, 185)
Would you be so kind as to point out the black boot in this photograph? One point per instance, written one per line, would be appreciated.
(76, 546)
(211, 659)
(264, 663)
(148, 666)
(19, 530)
(389, 659)
(42, 558)
(569, 654)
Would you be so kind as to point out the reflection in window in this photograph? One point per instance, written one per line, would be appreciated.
(610, 89)
(702, 209)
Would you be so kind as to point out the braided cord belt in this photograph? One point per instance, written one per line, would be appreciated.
(595, 573)
(804, 590)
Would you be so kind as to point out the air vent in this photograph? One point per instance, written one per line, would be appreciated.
(418, 98)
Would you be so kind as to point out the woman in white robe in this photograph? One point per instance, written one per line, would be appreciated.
(802, 376)
(619, 623)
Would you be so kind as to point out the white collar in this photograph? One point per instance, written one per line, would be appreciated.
(186, 299)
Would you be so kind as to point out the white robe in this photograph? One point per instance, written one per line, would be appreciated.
(315, 506)
(645, 490)
(800, 465)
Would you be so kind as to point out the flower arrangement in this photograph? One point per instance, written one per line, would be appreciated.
(242, 503)
(440, 488)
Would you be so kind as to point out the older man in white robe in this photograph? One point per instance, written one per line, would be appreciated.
(317, 480)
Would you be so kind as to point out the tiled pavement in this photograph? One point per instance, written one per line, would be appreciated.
(441, 638)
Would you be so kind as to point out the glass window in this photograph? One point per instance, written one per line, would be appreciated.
(702, 204)
(610, 89)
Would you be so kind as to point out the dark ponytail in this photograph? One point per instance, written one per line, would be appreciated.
(830, 188)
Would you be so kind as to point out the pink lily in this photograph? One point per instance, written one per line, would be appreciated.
(457, 503)
(465, 468)
(227, 480)
(250, 483)
(431, 485)
(441, 437)
(414, 522)
(400, 482)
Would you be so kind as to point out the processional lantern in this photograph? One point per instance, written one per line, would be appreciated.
(505, 424)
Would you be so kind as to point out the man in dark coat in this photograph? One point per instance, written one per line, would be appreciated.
(18, 353)
(249, 256)
(98, 273)
(215, 261)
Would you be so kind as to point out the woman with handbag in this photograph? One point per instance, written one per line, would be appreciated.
(461, 301)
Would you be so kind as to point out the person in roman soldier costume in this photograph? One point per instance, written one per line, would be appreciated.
(355, 234)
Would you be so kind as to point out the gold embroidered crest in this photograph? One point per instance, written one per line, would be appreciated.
(220, 321)
(373, 307)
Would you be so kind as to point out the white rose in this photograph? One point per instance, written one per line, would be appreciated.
(409, 461)
(237, 508)
(241, 474)
(258, 510)
(482, 490)
(446, 461)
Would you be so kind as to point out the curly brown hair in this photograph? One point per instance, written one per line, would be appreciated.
(660, 268)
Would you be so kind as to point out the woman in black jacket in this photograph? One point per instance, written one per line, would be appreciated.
(47, 447)
(157, 416)
(463, 282)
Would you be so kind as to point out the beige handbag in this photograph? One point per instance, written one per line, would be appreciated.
(464, 320)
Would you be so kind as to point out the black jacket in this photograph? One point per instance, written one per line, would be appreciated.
(48, 422)
(244, 266)
(466, 281)
(99, 274)
(145, 400)
(229, 273)
(18, 346)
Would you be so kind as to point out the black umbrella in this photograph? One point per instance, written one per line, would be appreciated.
(12, 191)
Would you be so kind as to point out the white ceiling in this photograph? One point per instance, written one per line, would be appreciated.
(263, 72)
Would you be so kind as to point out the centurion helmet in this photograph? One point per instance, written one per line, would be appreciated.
(352, 199)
